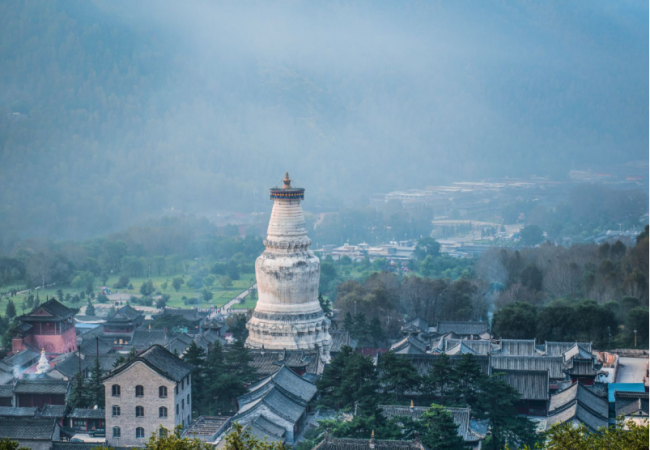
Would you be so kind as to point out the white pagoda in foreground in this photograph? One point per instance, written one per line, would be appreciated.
(288, 314)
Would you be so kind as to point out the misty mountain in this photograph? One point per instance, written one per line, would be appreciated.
(111, 111)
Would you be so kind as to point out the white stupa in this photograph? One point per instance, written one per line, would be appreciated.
(43, 366)
(288, 314)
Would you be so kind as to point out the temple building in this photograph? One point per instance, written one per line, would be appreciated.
(49, 326)
(288, 315)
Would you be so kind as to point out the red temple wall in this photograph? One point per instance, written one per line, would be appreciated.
(40, 400)
(54, 343)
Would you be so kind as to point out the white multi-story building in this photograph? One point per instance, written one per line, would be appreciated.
(151, 391)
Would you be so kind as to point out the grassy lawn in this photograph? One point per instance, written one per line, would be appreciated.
(221, 296)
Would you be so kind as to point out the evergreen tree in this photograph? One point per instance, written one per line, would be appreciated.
(90, 309)
(350, 378)
(325, 305)
(467, 376)
(78, 397)
(10, 312)
(95, 387)
(397, 375)
(348, 323)
(360, 327)
(376, 331)
(497, 401)
(238, 360)
(125, 359)
(440, 431)
(195, 356)
(440, 379)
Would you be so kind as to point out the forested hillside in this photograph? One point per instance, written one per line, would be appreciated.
(111, 111)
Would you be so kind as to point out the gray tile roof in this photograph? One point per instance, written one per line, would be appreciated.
(561, 399)
(590, 399)
(478, 346)
(54, 411)
(27, 429)
(145, 338)
(581, 367)
(60, 445)
(71, 366)
(87, 413)
(55, 310)
(555, 364)
(461, 417)
(22, 358)
(558, 348)
(6, 390)
(207, 427)
(162, 361)
(286, 379)
(589, 418)
(409, 345)
(462, 328)
(268, 362)
(520, 347)
(11, 411)
(366, 444)
(41, 385)
(265, 429)
(277, 401)
(531, 384)
(124, 314)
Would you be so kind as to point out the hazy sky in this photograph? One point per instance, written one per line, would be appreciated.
(204, 104)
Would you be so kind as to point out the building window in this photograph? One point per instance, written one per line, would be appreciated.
(176, 408)
(139, 391)
(115, 390)
(139, 433)
(162, 412)
(117, 432)
(162, 392)
(182, 384)
(183, 403)
(116, 411)
(176, 390)
(188, 399)
(139, 411)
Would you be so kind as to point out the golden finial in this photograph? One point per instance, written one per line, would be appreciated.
(373, 433)
(411, 404)
(287, 181)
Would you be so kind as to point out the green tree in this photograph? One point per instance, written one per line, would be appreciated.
(625, 435)
(440, 431)
(8, 444)
(397, 375)
(497, 401)
(177, 282)
(207, 295)
(238, 361)
(237, 326)
(225, 282)
(147, 288)
(325, 305)
(531, 235)
(83, 280)
(349, 378)
(441, 379)
(426, 247)
(516, 321)
(242, 439)
(90, 309)
(10, 311)
(59, 294)
(95, 387)
(78, 397)
(123, 359)
(637, 319)
(376, 331)
(122, 282)
(468, 376)
(195, 356)
(557, 322)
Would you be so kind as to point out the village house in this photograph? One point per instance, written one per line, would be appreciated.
(151, 391)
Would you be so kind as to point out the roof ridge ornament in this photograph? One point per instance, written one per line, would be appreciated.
(287, 181)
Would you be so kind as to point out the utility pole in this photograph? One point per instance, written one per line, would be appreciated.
(634, 338)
